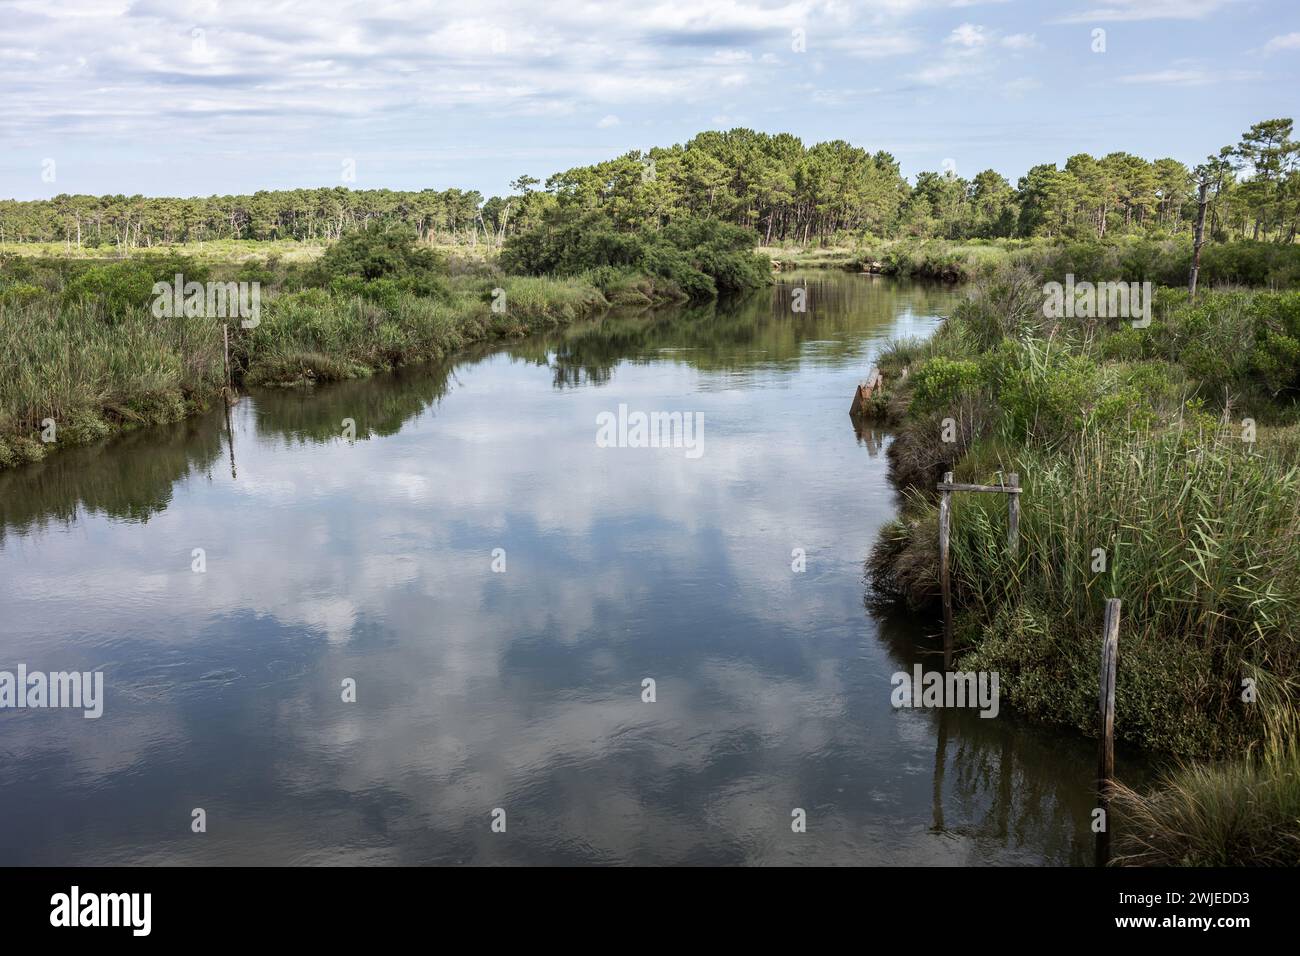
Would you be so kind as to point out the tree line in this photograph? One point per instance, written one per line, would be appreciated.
(131, 222)
(773, 185)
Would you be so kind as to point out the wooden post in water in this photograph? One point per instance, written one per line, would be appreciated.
(1106, 706)
(945, 586)
(866, 388)
(1013, 515)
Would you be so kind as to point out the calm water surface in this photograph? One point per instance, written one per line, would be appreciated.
(520, 690)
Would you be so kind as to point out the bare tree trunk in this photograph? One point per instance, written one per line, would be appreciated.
(1199, 239)
(505, 218)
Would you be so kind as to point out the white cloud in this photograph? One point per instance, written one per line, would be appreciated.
(1019, 41)
(1187, 77)
(969, 36)
(936, 74)
(1287, 41)
(135, 69)
(965, 53)
(608, 122)
(1127, 10)
(869, 46)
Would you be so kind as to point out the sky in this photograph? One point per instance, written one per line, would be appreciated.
(200, 97)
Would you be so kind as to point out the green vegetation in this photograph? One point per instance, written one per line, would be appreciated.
(88, 352)
(1129, 443)
(1225, 814)
(85, 350)
(1138, 258)
(1160, 465)
(829, 193)
(698, 257)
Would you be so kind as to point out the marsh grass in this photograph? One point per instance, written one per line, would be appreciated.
(1138, 485)
(94, 377)
(1129, 258)
(1197, 533)
(98, 367)
(1230, 813)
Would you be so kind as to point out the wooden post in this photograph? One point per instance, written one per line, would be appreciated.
(1106, 706)
(1013, 515)
(866, 388)
(945, 587)
(1010, 488)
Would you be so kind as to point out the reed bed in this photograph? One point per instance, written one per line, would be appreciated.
(1198, 533)
(97, 365)
(1228, 813)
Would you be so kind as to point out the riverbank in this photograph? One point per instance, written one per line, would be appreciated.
(87, 358)
(1162, 261)
(1160, 465)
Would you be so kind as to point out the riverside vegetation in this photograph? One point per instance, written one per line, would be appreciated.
(676, 222)
(1161, 465)
(85, 350)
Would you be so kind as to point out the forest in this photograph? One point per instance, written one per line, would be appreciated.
(783, 190)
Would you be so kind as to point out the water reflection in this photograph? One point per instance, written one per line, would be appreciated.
(372, 560)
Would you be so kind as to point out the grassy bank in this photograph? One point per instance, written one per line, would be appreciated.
(1142, 481)
(85, 351)
(1161, 466)
(1229, 813)
(1160, 260)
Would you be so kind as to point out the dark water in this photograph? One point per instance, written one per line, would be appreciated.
(522, 690)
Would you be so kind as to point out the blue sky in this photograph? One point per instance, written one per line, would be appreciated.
(196, 97)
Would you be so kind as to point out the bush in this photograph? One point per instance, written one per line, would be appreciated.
(377, 252)
(940, 381)
(114, 288)
(701, 257)
(1046, 391)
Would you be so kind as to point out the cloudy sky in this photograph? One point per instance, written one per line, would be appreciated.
(196, 97)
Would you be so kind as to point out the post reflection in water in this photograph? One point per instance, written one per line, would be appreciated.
(521, 689)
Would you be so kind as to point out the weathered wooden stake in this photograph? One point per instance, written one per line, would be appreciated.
(1106, 704)
(945, 520)
(866, 388)
(1013, 515)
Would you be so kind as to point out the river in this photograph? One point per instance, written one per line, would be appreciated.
(498, 588)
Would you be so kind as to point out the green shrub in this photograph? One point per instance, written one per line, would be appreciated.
(701, 257)
(939, 382)
(1046, 392)
(377, 252)
(114, 288)
(1124, 344)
